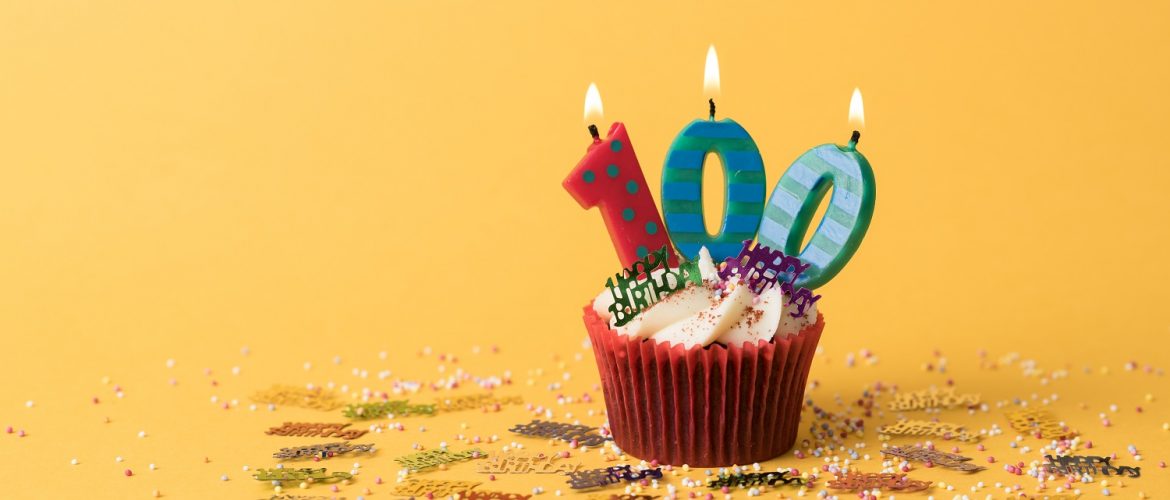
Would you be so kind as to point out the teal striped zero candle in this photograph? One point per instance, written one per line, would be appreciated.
(794, 203)
(682, 193)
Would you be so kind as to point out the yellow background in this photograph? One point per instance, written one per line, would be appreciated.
(319, 179)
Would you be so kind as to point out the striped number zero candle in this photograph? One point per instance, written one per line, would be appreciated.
(682, 178)
(795, 200)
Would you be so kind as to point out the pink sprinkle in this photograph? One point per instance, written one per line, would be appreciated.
(378, 480)
(8, 429)
(129, 472)
(929, 464)
(1106, 422)
(980, 447)
(1139, 409)
(21, 433)
(491, 477)
(990, 460)
(1162, 464)
(725, 490)
(654, 463)
(1088, 444)
(96, 400)
(335, 489)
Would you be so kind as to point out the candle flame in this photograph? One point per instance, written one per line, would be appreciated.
(593, 111)
(856, 110)
(711, 74)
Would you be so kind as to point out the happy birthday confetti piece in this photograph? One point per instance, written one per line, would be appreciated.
(858, 481)
(1030, 421)
(437, 488)
(753, 479)
(934, 457)
(474, 402)
(932, 398)
(298, 475)
(366, 411)
(287, 395)
(927, 428)
(596, 478)
(310, 429)
(761, 268)
(431, 458)
(564, 432)
(514, 462)
(321, 450)
(1079, 465)
(493, 495)
(637, 288)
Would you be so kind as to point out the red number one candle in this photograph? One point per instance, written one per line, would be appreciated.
(610, 178)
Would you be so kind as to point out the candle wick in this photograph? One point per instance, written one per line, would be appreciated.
(593, 132)
(712, 103)
(853, 139)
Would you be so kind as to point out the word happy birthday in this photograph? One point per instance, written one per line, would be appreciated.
(321, 450)
(1078, 465)
(858, 481)
(287, 395)
(431, 458)
(365, 411)
(309, 429)
(564, 432)
(298, 475)
(436, 487)
(610, 475)
(935, 457)
(1032, 421)
(754, 479)
(927, 428)
(932, 398)
(637, 288)
(523, 463)
(761, 267)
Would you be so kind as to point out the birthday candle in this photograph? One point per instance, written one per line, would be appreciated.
(682, 177)
(610, 178)
(795, 199)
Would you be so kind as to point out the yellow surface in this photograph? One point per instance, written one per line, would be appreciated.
(179, 180)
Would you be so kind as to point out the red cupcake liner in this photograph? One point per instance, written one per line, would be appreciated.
(704, 406)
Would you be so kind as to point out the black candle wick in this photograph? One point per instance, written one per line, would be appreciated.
(593, 132)
(712, 103)
(855, 137)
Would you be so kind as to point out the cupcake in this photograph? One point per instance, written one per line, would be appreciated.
(712, 372)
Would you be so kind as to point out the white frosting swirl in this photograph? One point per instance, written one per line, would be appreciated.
(716, 311)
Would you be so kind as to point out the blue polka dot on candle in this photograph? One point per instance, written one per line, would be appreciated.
(628, 214)
(642, 251)
(589, 176)
(632, 187)
(612, 170)
(651, 228)
(615, 146)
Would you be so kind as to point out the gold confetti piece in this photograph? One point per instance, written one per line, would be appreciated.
(311, 429)
(286, 395)
(927, 428)
(858, 481)
(431, 458)
(932, 398)
(941, 459)
(438, 488)
(514, 462)
(1030, 421)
